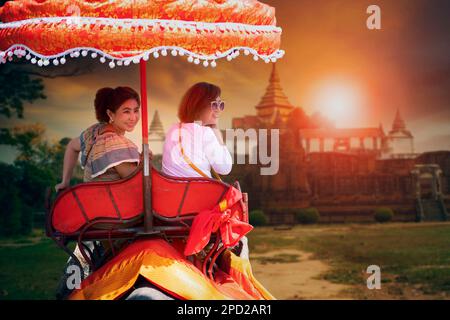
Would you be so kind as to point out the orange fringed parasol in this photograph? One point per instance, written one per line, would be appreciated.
(126, 31)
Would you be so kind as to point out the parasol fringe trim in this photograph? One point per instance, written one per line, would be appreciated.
(20, 51)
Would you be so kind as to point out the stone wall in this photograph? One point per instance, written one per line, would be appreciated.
(343, 187)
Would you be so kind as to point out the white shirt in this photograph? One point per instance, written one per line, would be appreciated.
(200, 145)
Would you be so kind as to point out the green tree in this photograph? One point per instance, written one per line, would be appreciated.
(37, 166)
(307, 215)
(17, 88)
(257, 218)
(383, 214)
(11, 209)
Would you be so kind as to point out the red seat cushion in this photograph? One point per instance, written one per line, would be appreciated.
(88, 201)
(173, 197)
(123, 200)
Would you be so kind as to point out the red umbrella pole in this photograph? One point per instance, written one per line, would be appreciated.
(148, 215)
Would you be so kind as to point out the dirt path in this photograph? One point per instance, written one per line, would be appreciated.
(20, 243)
(295, 280)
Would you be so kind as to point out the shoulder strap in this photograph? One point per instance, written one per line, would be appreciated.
(189, 162)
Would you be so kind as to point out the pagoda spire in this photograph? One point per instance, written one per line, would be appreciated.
(380, 127)
(274, 77)
(274, 100)
(398, 126)
(156, 131)
(399, 123)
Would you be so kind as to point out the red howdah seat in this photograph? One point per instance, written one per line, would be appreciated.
(120, 202)
(115, 210)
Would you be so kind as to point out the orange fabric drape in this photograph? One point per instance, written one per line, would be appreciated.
(222, 217)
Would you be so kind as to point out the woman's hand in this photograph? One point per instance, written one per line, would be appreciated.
(61, 186)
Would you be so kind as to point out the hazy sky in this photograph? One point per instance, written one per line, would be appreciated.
(333, 64)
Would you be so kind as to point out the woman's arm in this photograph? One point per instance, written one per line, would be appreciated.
(70, 160)
(217, 152)
(127, 168)
(217, 133)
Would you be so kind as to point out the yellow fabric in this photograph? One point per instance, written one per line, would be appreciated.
(244, 268)
(157, 261)
(223, 205)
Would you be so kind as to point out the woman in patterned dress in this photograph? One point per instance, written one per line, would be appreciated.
(106, 154)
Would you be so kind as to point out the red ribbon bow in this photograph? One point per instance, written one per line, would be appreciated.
(222, 217)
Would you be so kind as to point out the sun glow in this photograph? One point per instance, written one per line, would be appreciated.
(338, 101)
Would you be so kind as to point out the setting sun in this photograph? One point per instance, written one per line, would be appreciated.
(338, 101)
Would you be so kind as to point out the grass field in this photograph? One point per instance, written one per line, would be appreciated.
(414, 258)
(30, 267)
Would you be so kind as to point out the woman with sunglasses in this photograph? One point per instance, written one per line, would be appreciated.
(194, 147)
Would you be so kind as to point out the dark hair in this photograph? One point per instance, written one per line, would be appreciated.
(196, 99)
(112, 99)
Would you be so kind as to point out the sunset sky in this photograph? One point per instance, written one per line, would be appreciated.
(333, 64)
